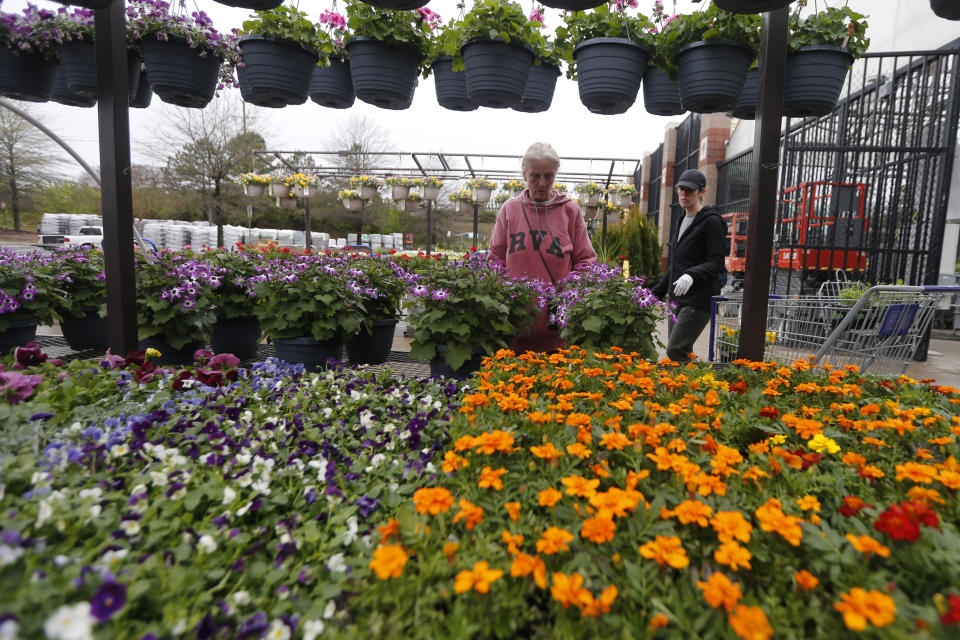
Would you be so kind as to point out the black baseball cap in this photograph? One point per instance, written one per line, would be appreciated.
(692, 179)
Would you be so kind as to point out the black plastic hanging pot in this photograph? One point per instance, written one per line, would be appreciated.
(609, 73)
(275, 73)
(87, 4)
(27, 76)
(178, 74)
(63, 94)
(332, 86)
(144, 91)
(661, 95)
(746, 107)
(451, 86)
(814, 80)
(538, 94)
(573, 5)
(750, 6)
(949, 9)
(384, 75)
(496, 72)
(78, 63)
(255, 5)
(396, 5)
(712, 73)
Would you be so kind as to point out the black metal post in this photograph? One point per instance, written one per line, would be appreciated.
(308, 242)
(429, 225)
(116, 191)
(765, 183)
(476, 219)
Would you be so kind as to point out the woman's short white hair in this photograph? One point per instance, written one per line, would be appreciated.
(539, 151)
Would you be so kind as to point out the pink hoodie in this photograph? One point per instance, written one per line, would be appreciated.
(546, 243)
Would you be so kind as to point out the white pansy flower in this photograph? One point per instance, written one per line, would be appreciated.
(312, 629)
(327, 412)
(207, 543)
(241, 598)
(70, 622)
(366, 419)
(137, 490)
(9, 555)
(158, 478)
(40, 479)
(278, 630)
(329, 610)
(242, 511)
(44, 512)
(228, 495)
(9, 630)
(430, 468)
(337, 563)
(262, 486)
(130, 527)
(110, 559)
(118, 450)
(246, 416)
(96, 493)
(95, 511)
(61, 560)
(351, 533)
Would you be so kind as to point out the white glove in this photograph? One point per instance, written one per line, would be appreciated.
(682, 284)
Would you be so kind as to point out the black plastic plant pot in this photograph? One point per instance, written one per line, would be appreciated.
(239, 336)
(87, 4)
(750, 6)
(573, 5)
(439, 367)
(396, 5)
(451, 86)
(373, 347)
(609, 73)
(78, 64)
(712, 74)
(332, 86)
(949, 9)
(88, 331)
(63, 94)
(168, 355)
(538, 94)
(814, 80)
(496, 72)
(661, 95)
(255, 5)
(275, 73)
(179, 74)
(746, 108)
(144, 92)
(312, 354)
(19, 333)
(384, 75)
(28, 76)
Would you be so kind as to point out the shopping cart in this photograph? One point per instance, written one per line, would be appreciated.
(879, 332)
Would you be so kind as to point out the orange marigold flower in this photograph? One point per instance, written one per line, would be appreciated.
(388, 561)
(859, 605)
(513, 402)
(916, 472)
(392, 528)
(806, 580)
(690, 511)
(853, 459)
(549, 497)
(450, 550)
(634, 478)
(580, 486)
(615, 501)
(464, 443)
(666, 550)
(578, 450)
(490, 478)
(808, 503)
(598, 529)
(513, 510)
(554, 540)
(658, 621)
(479, 578)
(922, 494)
(731, 525)
(733, 555)
(750, 623)
(569, 590)
(718, 591)
(870, 471)
(875, 442)
(471, 513)
(476, 399)
(600, 469)
(432, 500)
(525, 564)
(615, 441)
(513, 541)
(578, 419)
(452, 462)
(867, 545)
(705, 484)
(547, 451)
(594, 607)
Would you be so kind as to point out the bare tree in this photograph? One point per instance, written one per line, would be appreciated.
(27, 161)
(360, 139)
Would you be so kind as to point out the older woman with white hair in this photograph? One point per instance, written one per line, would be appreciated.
(541, 234)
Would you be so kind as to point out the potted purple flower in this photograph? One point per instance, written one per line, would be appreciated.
(29, 52)
(186, 59)
(80, 273)
(29, 294)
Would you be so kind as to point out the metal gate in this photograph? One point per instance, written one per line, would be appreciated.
(687, 156)
(654, 186)
(864, 188)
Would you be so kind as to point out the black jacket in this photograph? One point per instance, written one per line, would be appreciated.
(699, 254)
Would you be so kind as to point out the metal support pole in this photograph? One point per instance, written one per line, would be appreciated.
(429, 224)
(476, 219)
(116, 191)
(308, 241)
(765, 183)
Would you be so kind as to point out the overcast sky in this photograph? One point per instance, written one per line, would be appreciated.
(424, 127)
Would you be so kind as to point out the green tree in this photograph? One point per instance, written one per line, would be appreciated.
(635, 240)
(28, 159)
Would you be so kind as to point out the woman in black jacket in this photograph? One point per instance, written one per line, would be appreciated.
(698, 245)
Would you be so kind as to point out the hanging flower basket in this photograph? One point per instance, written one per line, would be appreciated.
(626, 199)
(949, 9)
(399, 192)
(352, 204)
(746, 107)
(661, 95)
(275, 73)
(397, 5)
(384, 75)
(814, 80)
(593, 199)
(573, 5)
(483, 194)
(496, 72)
(303, 191)
(538, 94)
(63, 94)
(466, 208)
(609, 72)
(27, 76)
(254, 190)
(751, 6)
(411, 205)
(89, 4)
(431, 193)
(279, 190)
(178, 74)
(78, 64)
(712, 73)
(451, 86)
(332, 86)
(368, 192)
(144, 91)
(287, 203)
(255, 5)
